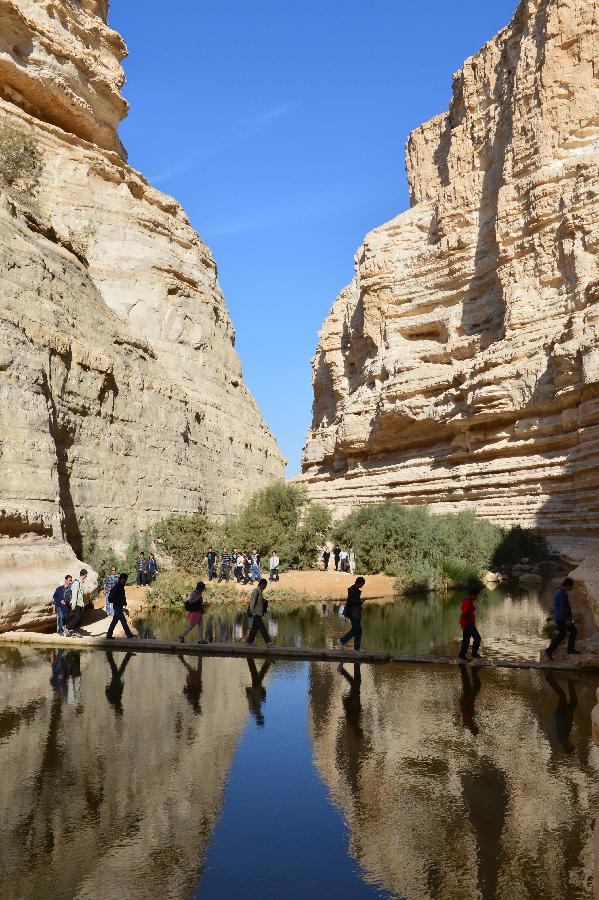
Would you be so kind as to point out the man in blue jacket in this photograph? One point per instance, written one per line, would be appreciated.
(562, 613)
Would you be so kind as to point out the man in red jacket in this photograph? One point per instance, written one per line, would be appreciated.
(467, 624)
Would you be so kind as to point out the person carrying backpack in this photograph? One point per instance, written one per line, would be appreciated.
(61, 601)
(195, 613)
(353, 612)
(467, 624)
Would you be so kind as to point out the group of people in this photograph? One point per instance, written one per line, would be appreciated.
(68, 602)
(146, 569)
(245, 567)
(344, 560)
(195, 607)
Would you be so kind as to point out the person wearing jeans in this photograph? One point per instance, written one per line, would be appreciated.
(119, 602)
(353, 612)
(61, 606)
(562, 614)
(78, 600)
(258, 606)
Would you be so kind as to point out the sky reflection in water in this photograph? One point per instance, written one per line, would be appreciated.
(153, 776)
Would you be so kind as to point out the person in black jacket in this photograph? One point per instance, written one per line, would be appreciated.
(141, 569)
(119, 602)
(562, 613)
(336, 556)
(353, 612)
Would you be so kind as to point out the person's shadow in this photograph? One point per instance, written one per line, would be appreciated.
(353, 744)
(470, 690)
(564, 711)
(192, 689)
(256, 694)
(114, 689)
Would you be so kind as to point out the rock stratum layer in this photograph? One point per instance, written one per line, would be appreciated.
(460, 368)
(122, 395)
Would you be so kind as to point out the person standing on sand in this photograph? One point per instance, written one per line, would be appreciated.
(247, 567)
(343, 558)
(152, 569)
(257, 607)
(77, 595)
(336, 555)
(107, 585)
(225, 566)
(562, 613)
(61, 604)
(326, 557)
(256, 574)
(238, 566)
(141, 567)
(353, 612)
(119, 603)
(274, 566)
(468, 624)
(195, 613)
(211, 558)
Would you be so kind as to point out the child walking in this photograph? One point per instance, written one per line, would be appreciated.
(195, 613)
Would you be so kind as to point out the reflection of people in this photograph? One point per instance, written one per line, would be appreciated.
(193, 684)
(470, 691)
(564, 711)
(256, 694)
(562, 613)
(352, 745)
(114, 690)
(59, 673)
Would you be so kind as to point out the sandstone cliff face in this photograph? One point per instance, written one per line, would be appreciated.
(460, 368)
(122, 394)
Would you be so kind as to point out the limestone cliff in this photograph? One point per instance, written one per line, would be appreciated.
(460, 368)
(122, 395)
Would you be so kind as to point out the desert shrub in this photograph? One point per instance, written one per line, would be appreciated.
(101, 558)
(520, 543)
(171, 588)
(427, 552)
(21, 160)
(279, 517)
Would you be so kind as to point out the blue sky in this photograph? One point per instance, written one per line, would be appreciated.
(280, 127)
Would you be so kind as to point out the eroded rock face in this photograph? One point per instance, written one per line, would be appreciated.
(460, 368)
(122, 395)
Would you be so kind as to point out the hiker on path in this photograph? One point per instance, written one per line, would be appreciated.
(61, 601)
(257, 607)
(326, 557)
(562, 613)
(77, 600)
(343, 560)
(225, 566)
(274, 566)
(141, 568)
(239, 566)
(119, 603)
(353, 612)
(247, 567)
(195, 613)
(107, 585)
(256, 571)
(152, 569)
(211, 558)
(468, 624)
(336, 555)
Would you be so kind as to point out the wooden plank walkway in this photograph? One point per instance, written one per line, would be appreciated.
(307, 654)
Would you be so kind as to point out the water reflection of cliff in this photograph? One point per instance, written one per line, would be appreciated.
(456, 785)
(113, 770)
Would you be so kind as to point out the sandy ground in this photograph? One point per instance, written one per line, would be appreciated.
(332, 584)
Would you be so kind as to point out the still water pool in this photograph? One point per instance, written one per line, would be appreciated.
(134, 776)
(511, 624)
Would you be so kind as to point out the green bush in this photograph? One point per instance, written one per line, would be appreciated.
(21, 161)
(102, 558)
(520, 543)
(171, 588)
(186, 539)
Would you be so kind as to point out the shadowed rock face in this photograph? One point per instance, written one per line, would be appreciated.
(122, 395)
(460, 367)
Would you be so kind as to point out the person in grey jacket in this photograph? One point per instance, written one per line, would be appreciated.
(77, 601)
(257, 608)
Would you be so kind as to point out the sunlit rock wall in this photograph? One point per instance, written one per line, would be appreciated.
(460, 368)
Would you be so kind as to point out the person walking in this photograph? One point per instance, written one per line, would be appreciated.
(352, 562)
(77, 599)
(562, 613)
(107, 585)
(326, 555)
(274, 566)
(61, 598)
(119, 603)
(353, 612)
(141, 567)
(468, 624)
(247, 567)
(336, 555)
(152, 569)
(195, 613)
(343, 558)
(238, 566)
(256, 571)
(257, 608)
(211, 558)
(225, 566)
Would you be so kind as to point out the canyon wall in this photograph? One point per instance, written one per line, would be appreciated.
(122, 395)
(460, 368)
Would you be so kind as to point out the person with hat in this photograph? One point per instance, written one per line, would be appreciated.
(195, 612)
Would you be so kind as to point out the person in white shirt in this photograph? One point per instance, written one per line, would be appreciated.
(77, 599)
(343, 557)
(274, 567)
(239, 567)
(352, 562)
